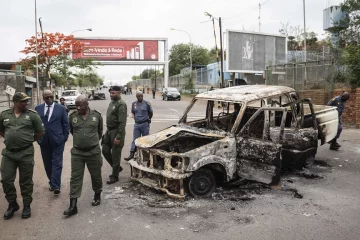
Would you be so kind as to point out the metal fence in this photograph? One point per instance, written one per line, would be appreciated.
(302, 76)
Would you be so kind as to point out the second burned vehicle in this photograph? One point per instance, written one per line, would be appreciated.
(257, 131)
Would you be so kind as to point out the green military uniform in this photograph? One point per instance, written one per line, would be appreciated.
(116, 122)
(19, 152)
(86, 150)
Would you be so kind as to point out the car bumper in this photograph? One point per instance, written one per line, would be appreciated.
(148, 174)
(173, 97)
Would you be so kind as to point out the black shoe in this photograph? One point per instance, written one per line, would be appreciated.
(56, 191)
(13, 207)
(51, 188)
(337, 145)
(72, 210)
(120, 170)
(131, 156)
(334, 148)
(97, 199)
(112, 180)
(26, 212)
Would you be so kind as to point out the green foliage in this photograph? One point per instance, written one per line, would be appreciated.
(352, 61)
(148, 73)
(213, 54)
(189, 85)
(86, 79)
(352, 33)
(180, 57)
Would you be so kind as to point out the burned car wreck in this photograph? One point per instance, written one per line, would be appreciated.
(246, 132)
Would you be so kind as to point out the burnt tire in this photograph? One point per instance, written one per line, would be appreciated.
(202, 183)
(309, 161)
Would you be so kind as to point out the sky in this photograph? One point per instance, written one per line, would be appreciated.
(148, 19)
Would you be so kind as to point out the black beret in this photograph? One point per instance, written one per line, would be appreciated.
(114, 88)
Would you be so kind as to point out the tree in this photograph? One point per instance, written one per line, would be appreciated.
(53, 54)
(295, 35)
(352, 32)
(87, 79)
(213, 54)
(148, 74)
(180, 57)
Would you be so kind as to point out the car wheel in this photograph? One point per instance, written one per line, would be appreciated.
(309, 162)
(202, 183)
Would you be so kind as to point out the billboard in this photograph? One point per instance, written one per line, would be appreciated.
(250, 52)
(118, 50)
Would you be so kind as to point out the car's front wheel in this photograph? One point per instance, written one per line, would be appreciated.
(202, 183)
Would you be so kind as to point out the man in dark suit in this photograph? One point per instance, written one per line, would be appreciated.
(56, 123)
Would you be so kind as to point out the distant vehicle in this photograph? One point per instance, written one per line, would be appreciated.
(95, 95)
(70, 96)
(171, 94)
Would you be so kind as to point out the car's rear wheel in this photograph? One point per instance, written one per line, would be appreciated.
(309, 162)
(202, 183)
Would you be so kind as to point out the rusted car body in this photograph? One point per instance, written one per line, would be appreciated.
(246, 132)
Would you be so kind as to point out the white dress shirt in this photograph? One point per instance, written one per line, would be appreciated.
(51, 110)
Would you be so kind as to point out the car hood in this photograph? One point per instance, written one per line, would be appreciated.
(153, 139)
(69, 97)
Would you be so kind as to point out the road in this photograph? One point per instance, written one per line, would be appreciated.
(329, 208)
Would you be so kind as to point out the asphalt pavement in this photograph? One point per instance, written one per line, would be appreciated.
(321, 203)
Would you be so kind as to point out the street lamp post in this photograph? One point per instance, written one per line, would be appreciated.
(221, 48)
(173, 29)
(37, 58)
(86, 29)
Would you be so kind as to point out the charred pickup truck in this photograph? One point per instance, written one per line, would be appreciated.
(246, 132)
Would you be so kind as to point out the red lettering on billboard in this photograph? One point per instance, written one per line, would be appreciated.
(118, 50)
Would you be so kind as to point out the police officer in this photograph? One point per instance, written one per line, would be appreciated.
(86, 126)
(143, 113)
(338, 102)
(113, 139)
(20, 127)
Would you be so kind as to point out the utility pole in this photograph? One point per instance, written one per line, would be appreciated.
(46, 58)
(222, 55)
(155, 79)
(304, 31)
(37, 58)
(259, 17)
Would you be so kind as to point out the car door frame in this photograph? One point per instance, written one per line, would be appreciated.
(260, 159)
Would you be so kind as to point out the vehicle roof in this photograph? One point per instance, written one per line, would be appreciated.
(244, 93)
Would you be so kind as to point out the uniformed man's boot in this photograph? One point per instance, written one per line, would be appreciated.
(112, 180)
(13, 207)
(26, 212)
(131, 156)
(97, 199)
(72, 209)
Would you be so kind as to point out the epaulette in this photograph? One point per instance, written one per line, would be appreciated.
(148, 103)
(97, 111)
(31, 110)
(73, 113)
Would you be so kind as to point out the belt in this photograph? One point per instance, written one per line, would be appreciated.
(140, 122)
(18, 149)
(86, 149)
